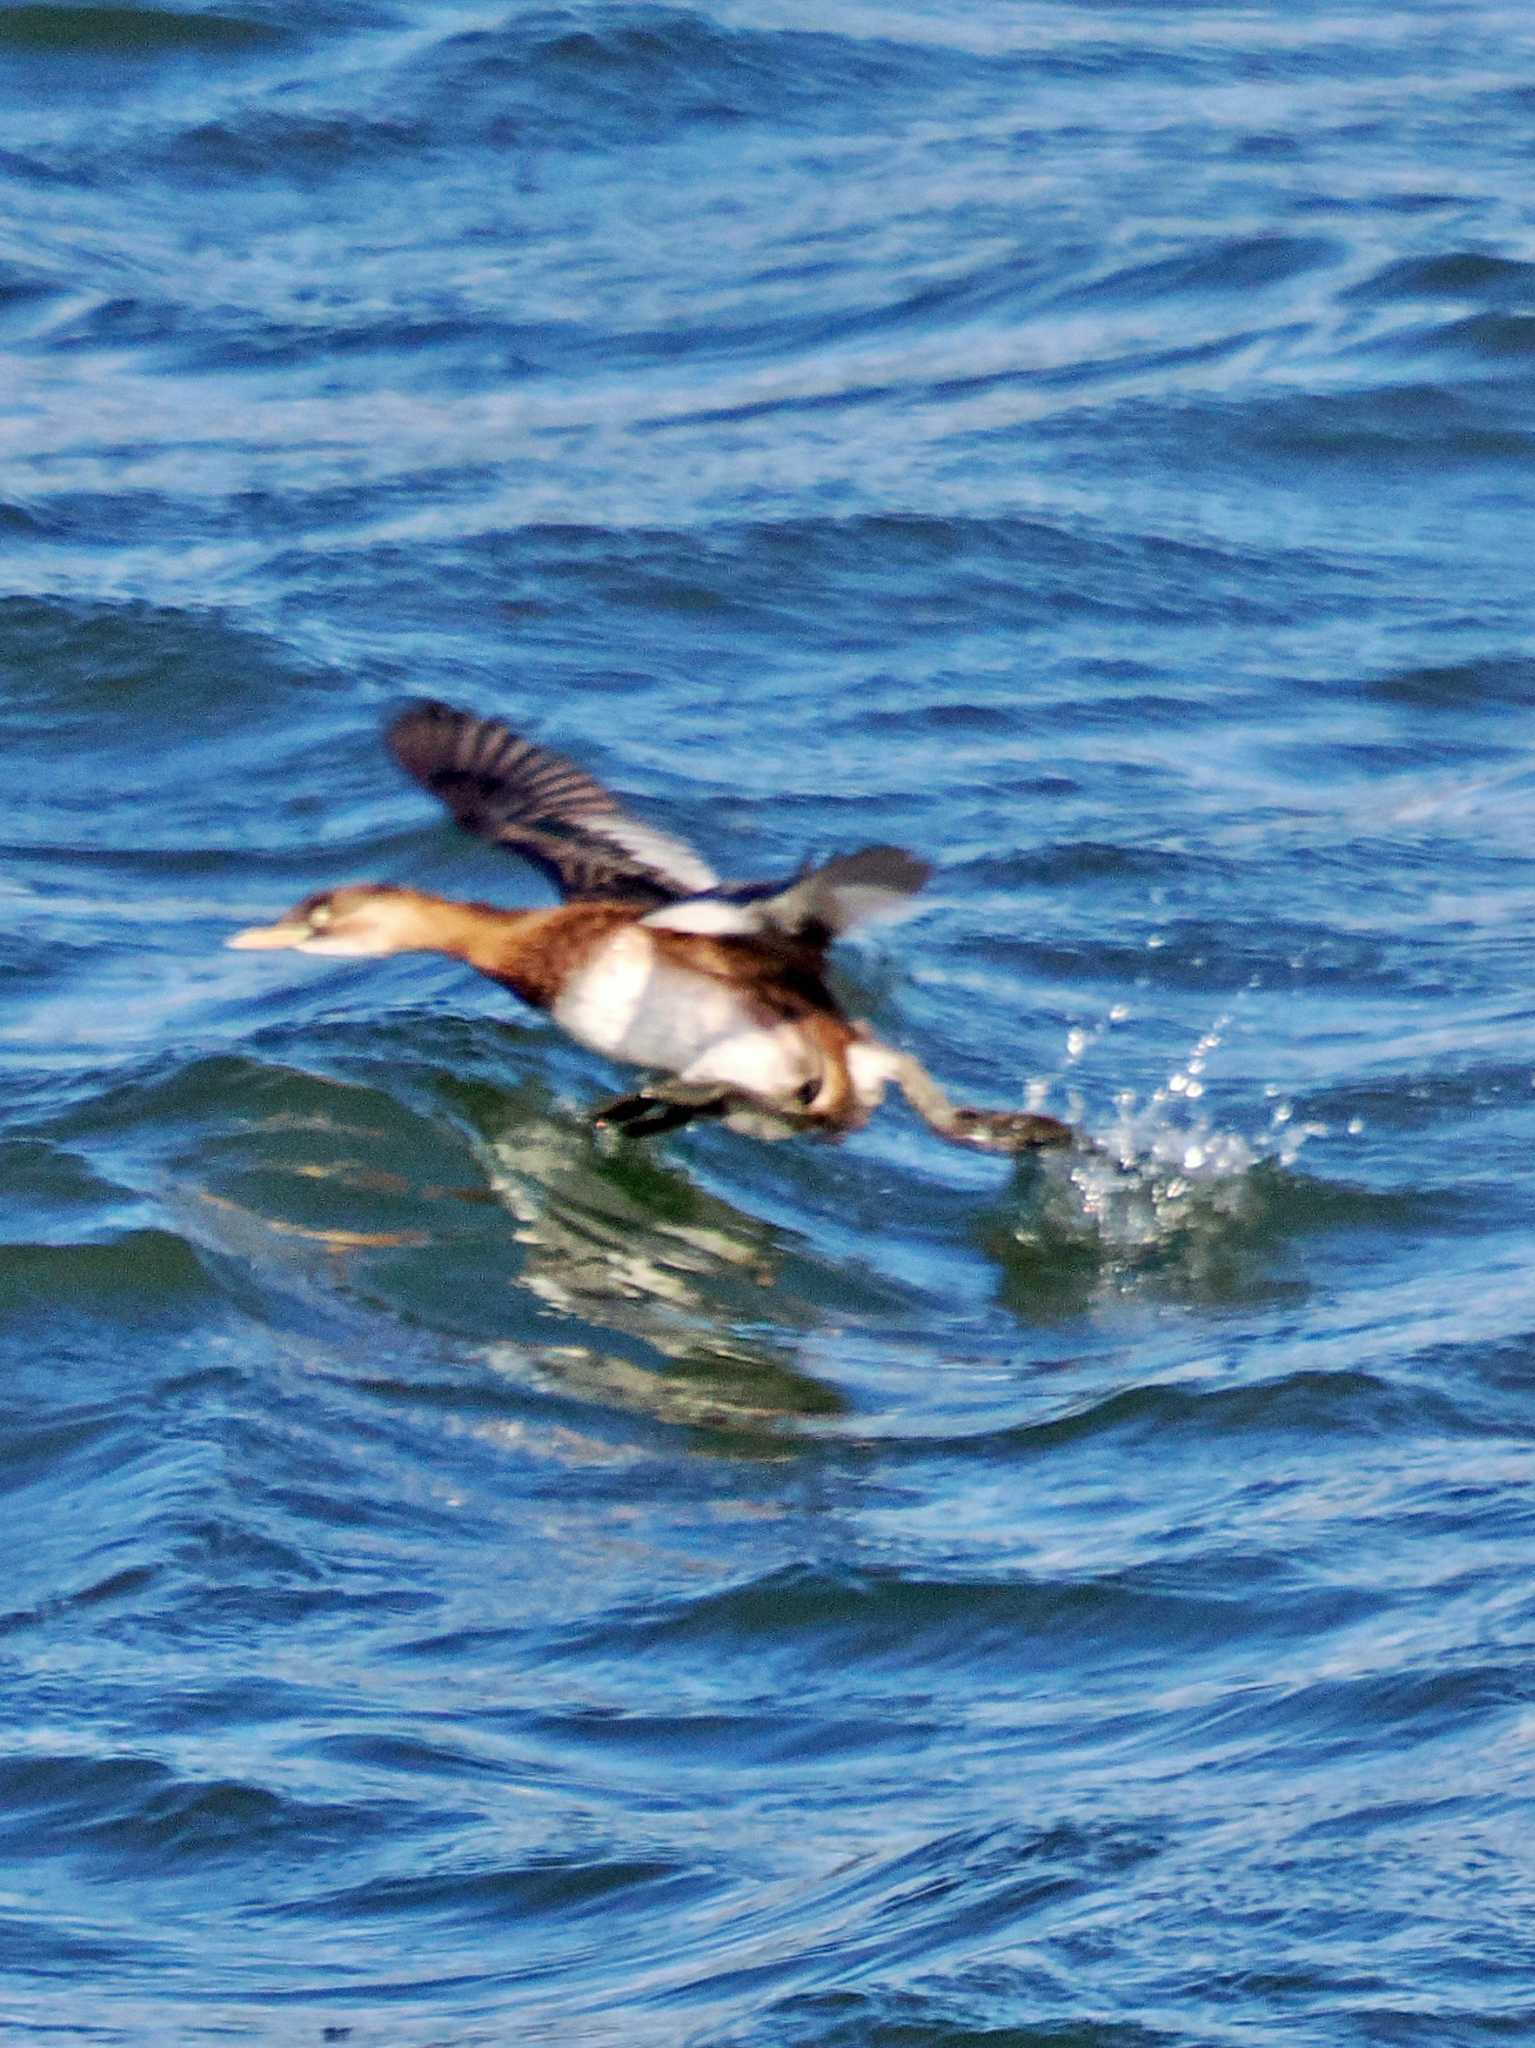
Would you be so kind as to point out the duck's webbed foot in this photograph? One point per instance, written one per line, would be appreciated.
(663, 1106)
(988, 1130)
(1007, 1130)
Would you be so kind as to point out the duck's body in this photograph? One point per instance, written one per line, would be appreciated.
(665, 1000)
(653, 963)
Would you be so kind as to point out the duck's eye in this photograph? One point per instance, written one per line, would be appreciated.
(319, 917)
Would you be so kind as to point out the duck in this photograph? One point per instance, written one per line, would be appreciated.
(716, 990)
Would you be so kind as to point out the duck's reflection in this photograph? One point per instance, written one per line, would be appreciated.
(618, 1240)
(640, 1290)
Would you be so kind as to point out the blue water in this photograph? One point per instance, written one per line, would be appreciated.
(466, 1585)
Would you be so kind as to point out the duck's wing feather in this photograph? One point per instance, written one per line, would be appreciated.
(522, 796)
(814, 908)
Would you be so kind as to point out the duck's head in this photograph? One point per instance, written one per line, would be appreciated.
(361, 922)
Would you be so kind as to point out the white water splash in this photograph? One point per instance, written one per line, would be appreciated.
(1161, 1171)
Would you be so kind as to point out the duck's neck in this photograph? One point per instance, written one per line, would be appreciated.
(480, 934)
(529, 951)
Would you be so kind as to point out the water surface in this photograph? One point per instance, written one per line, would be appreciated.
(471, 1584)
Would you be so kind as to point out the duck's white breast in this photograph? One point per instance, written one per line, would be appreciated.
(630, 1004)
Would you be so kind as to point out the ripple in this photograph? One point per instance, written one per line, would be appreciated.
(1469, 274)
(181, 1826)
(808, 1622)
(127, 33)
(154, 1270)
(281, 146)
(1420, 425)
(557, 1889)
(1491, 339)
(1352, 1404)
(855, 2019)
(35, 1944)
(640, 75)
(1241, 264)
(1491, 685)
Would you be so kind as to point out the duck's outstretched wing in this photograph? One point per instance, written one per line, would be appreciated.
(540, 805)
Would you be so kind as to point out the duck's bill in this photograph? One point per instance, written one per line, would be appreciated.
(267, 938)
